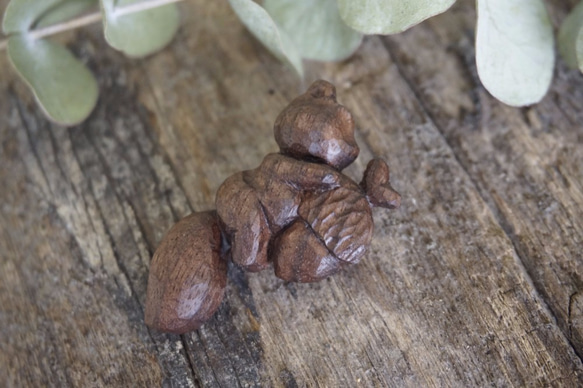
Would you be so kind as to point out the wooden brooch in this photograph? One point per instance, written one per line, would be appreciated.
(296, 210)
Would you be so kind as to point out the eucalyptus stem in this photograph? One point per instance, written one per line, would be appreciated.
(91, 18)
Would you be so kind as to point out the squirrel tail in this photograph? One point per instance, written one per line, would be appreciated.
(188, 275)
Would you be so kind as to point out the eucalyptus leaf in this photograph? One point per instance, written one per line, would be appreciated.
(514, 50)
(141, 33)
(389, 16)
(571, 38)
(263, 27)
(315, 27)
(64, 11)
(20, 15)
(63, 86)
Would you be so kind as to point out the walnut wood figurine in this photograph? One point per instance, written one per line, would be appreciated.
(296, 210)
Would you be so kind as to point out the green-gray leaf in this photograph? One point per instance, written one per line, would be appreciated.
(389, 16)
(514, 50)
(63, 86)
(141, 33)
(20, 15)
(262, 26)
(64, 11)
(315, 27)
(571, 38)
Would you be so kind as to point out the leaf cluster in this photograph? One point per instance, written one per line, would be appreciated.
(63, 86)
(514, 38)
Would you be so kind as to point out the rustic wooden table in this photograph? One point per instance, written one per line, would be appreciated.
(476, 281)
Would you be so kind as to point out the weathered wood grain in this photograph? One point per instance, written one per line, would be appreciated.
(526, 163)
(477, 280)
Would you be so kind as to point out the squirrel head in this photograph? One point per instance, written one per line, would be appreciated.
(315, 127)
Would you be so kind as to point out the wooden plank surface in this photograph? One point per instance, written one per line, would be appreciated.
(477, 280)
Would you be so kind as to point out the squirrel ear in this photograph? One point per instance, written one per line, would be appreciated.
(377, 187)
(322, 89)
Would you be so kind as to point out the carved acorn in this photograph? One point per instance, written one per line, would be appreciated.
(296, 210)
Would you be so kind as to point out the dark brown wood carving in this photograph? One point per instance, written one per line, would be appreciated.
(296, 211)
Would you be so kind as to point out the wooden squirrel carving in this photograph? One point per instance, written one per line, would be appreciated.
(296, 211)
